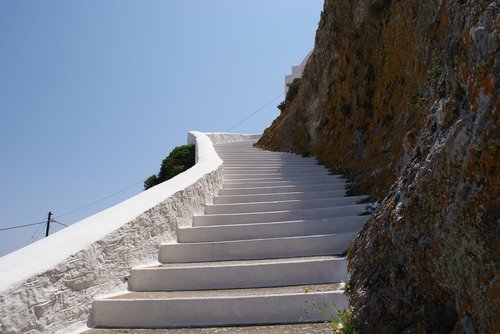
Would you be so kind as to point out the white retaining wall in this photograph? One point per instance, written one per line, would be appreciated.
(48, 286)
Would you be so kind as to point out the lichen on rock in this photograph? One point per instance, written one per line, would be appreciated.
(406, 94)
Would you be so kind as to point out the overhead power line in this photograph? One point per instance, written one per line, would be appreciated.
(126, 188)
(100, 200)
(255, 112)
(55, 221)
(19, 226)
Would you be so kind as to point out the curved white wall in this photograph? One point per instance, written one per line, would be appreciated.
(48, 286)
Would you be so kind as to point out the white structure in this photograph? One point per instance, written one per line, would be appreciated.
(265, 252)
(296, 71)
(49, 286)
(280, 219)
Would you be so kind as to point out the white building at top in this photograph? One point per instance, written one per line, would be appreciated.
(296, 71)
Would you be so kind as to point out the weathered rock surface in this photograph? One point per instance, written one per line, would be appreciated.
(406, 94)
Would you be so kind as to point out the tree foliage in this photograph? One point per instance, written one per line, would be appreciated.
(179, 160)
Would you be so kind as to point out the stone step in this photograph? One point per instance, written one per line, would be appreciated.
(275, 166)
(239, 274)
(309, 303)
(315, 245)
(271, 230)
(278, 197)
(261, 157)
(281, 189)
(298, 328)
(302, 182)
(276, 216)
(282, 170)
(282, 205)
(298, 178)
(256, 163)
(267, 174)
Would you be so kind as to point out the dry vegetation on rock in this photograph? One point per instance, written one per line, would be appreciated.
(405, 93)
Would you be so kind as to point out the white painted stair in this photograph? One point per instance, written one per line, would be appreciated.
(268, 250)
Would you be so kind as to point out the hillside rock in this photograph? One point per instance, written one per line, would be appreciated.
(405, 93)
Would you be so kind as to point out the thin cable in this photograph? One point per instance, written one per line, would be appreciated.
(37, 231)
(100, 200)
(55, 221)
(255, 112)
(19, 226)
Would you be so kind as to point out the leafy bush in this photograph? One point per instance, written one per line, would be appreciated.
(293, 89)
(179, 160)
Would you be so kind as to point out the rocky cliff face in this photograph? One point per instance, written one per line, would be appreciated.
(405, 93)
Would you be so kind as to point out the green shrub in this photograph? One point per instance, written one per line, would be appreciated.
(293, 89)
(179, 160)
(342, 323)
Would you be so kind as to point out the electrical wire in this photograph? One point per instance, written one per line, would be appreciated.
(100, 200)
(255, 112)
(37, 231)
(19, 226)
(55, 221)
(126, 188)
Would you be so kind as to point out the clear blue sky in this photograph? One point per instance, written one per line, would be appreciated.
(94, 94)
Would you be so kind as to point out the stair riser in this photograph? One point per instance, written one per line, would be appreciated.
(270, 230)
(236, 277)
(283, 171)
(269, 164)
(279, 216)
(284, 178)
(217, 311)
(278, 197)
(280, 189)
(281, 206)
(231, 177)
(255, 184)
(256, 249)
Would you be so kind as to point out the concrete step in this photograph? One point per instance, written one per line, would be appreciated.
(282, 170)
(269, 163)
(285, 178)
(278, 197)
(263, 158)
(282, 205)
(261, 161)
(239, 274)
(277, 216)
(260, 183)
(278, 166)
(281, 189)
(307, 303)
(297, 328)
(316, 245)
(271, 230)
(262, 175)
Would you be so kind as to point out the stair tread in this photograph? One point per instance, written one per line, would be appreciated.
(301, 328)
(278, 211)
(242, 262)
(230, 293)
(289, 201)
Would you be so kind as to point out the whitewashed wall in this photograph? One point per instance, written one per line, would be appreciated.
(48, 286)
(296, 72)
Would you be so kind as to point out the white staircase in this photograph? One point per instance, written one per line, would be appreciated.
(268, 251)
